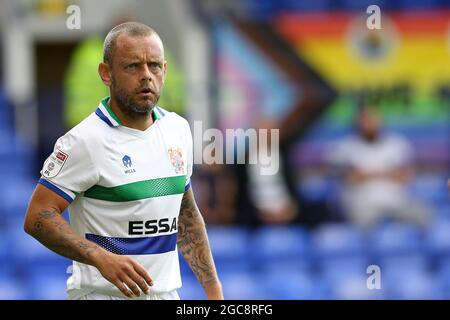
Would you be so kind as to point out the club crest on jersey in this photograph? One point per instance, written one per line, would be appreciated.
(176, 159)
(54, 164)
(126, 160)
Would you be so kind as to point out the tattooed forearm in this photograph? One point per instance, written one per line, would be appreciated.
(52, 230)
(193, 241)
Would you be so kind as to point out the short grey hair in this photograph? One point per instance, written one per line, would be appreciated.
(135, 29)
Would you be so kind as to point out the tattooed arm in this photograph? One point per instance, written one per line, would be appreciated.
(45, 223)
(193, 244)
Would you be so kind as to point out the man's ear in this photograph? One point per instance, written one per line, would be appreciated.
(105, 73)
(165, 71)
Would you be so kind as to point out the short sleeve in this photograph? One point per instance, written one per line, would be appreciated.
(337, 154)
(69, 170)
(404, 152)
(189, 154)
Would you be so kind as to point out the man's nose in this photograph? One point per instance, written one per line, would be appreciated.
(146, 74)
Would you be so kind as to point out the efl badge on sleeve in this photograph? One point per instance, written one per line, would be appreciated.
(176, 158)
(54, 164)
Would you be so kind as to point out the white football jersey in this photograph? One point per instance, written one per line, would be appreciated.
(125, 188)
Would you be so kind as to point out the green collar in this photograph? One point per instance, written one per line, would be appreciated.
(105, 113)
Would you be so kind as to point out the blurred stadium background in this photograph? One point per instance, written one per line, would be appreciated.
(299, 65)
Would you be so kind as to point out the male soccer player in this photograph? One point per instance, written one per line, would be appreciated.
(124, 173)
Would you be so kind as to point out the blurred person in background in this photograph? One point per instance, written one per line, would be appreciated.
(124, 172)
(376, 167)
(216, 190)
(82, 86)
(273, 200)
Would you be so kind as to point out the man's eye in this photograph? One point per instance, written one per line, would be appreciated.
(132, 66)
(155, 65)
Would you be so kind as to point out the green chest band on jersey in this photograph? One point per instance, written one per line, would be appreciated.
(139, 190)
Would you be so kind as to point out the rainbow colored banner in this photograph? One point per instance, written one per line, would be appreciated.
(403, 67)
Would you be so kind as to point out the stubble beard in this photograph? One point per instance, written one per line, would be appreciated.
(128, 106)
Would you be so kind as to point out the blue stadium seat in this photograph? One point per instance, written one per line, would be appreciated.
(47, 287)
(396, 270)
(243, 286)
(238, 266)
(412, 285)
(334, 269)
(441, 213)
(6, 140)
(230, 247)
(317, 189)
(8, 269)
(191, 290)
(5, 247)
(285, 265)
(184, 267)
(437, 239)
(16, 195)
(417, 261)
(281, 245)
(12, 289)
(395, 239)
(443, 275)
(32, 257)
(338, 240)
(16, 157)
(354, 287)
(430, 188)
(243, 265)
(295, 285)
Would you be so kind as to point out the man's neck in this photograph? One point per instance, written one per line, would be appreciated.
(140, 123)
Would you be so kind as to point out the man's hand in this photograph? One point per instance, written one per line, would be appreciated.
(45, 223)
(124, 272)
(400, 175)
(355, 175)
